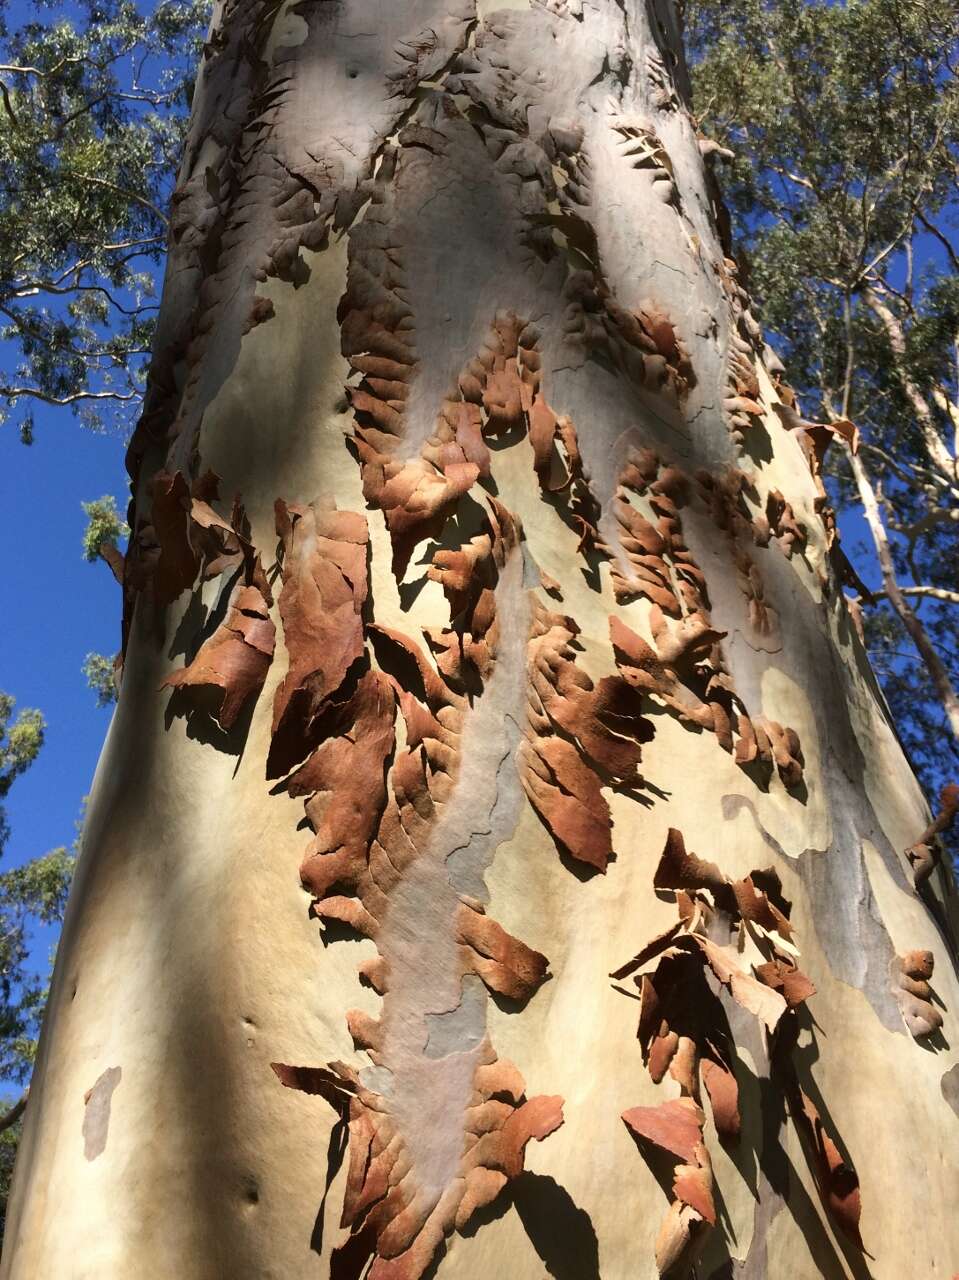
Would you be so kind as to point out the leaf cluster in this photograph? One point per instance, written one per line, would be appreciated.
(104, 526)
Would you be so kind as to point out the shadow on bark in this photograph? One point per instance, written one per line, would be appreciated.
(339, 1144)
(198, 704)
(774, 1184)
(757, 444)
(803, 1057)
(558, 1229)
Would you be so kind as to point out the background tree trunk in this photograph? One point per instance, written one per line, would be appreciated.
(458, 273)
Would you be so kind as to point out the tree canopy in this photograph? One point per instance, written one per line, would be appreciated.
(93, 98)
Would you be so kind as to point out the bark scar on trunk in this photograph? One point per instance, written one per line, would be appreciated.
(97, 1102)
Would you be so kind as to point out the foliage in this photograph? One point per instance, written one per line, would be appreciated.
(9, 1141)
(20, 742)
(844, 190)
(104, 525)
(34, 892)
(98, 671)
(93, 99)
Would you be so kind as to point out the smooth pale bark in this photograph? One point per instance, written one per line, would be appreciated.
(511, 205)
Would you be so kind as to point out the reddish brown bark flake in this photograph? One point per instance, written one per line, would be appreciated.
(676, 1128)
(324, 586)
(683, 1030)
(183, 537)
(177, 562)
(837, 1181)
(236, 658)
(924, 856)
(578, 736)
(345, 780)
(451, 1129)
(399, 1234)
(910, 985)
(685, 672)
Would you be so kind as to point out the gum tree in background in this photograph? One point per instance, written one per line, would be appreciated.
(844, 121)
(471, 521)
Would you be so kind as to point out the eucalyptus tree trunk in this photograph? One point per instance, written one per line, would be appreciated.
(610, 940)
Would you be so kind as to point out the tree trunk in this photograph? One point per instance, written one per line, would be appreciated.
(555, 607)
(935, 667)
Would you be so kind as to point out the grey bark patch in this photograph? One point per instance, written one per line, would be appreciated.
(460, 1029)
(432, 1026)
(96, 1115)
(949, 1084)
(849, 925)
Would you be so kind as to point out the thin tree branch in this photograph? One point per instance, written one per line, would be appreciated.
(941, 515)
(8, 105)
(46, 286)
(935, 593)
(943, 240)
(939, 455)
(15, 393)
(934, 665)
(14, 1114)
(918, 473)
(122, 191)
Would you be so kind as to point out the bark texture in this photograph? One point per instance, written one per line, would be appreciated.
(501, 860)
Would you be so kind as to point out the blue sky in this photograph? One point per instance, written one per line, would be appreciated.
(59, 608)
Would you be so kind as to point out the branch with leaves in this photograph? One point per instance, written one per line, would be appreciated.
(93, 108)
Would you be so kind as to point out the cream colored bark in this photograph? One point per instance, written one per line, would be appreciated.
(424, 258)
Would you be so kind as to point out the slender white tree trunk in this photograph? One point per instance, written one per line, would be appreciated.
(555, 655)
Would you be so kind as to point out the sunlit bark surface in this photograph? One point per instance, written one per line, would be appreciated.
(501, 862)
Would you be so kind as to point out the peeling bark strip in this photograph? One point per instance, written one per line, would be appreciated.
(188, 540)
(182, 537)
(687, 674)
(579, 738)
(677, 1129)
(683, 1030)
(398, 1227)
(910, 984)
(402, 841)
(925, 855)
(323, 568)
(237, 656)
